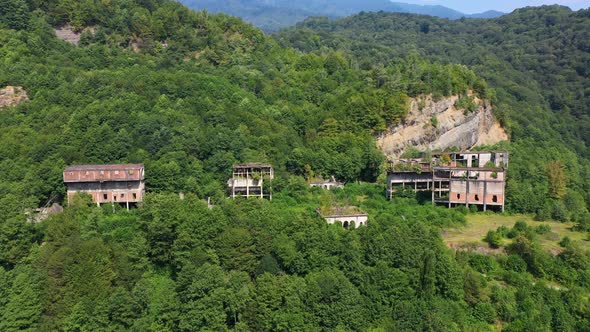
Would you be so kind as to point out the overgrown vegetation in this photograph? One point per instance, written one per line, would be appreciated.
(188, 94)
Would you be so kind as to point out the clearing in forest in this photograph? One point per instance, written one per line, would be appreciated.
(472, 235)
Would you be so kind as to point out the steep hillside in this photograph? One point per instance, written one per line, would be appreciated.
(536, 59)
(190, 93)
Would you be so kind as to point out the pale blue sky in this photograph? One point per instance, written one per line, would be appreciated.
(474, 6)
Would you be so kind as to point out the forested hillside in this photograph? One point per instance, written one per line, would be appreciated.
(536, 59)
(189, 94)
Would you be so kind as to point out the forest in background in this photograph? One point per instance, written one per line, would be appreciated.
(271, 16)
(188, 94)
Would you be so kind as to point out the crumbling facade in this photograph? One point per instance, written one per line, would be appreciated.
(327, 184)
(455, 178)
(251, 180)
(347, 216)
(122, 184)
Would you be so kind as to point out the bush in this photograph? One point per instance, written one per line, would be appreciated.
(483, 263)
(520, 226)
(463, 209)
(515, 263)
(503, 230)
(493, 238)
(543, 229)
(565, 242)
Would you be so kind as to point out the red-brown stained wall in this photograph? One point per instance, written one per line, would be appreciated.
(106, 183)
(122, 197)
(489, 198)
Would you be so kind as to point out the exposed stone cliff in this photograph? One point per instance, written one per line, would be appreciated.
(12, 95)
(439, 124)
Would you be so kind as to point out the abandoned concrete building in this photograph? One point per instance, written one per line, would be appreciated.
(327, 184)
(251, 180)
(347, 216)
(122, 184)
(454, 178)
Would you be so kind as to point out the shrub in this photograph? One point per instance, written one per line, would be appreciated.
(565, 242)
(503, 231)
(483, 263)
(543, 229)
(520, 226)
(515, 263)
(493, 238)
(463, 209)
(434, 121)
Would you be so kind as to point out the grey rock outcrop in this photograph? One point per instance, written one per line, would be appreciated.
(12, 96)
(439, 124)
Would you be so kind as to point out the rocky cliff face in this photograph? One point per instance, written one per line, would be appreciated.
(12, 95)
(439, 124)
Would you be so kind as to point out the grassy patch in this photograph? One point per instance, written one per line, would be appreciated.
(479, 224)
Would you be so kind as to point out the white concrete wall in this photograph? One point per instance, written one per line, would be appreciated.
(360, 220)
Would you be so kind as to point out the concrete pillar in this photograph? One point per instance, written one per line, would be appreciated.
(467, 190)
(485, 195)
(503, 193)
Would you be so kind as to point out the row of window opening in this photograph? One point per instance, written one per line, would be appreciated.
(494, 198)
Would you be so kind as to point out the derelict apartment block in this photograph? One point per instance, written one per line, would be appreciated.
(122, 184)
(455, 178)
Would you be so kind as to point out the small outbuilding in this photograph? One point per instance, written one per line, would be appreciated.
(347, 216)
(327, 184)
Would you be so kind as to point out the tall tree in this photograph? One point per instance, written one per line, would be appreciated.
(557, 179)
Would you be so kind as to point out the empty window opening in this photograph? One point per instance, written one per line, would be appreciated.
(134, 196)
(477, 198)
(115, 198)
(495, 199)
(122, 195)
(105, 196)
(458, 196)
(345, 224)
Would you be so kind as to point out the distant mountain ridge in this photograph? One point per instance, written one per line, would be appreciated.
(272, 15)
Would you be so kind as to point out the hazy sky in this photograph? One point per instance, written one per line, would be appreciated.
(475, 6)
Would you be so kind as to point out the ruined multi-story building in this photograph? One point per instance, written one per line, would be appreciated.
(455, 178)
(121, 184)
(251, 180)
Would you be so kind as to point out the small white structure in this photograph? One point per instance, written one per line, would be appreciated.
(327, 184)
(348, 216)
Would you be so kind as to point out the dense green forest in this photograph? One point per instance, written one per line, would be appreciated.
(190, 93)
